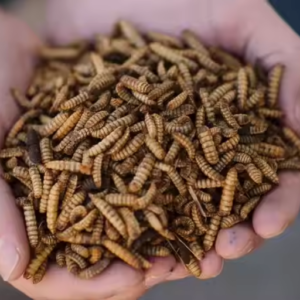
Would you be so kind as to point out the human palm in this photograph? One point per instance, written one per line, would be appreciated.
(249, 28)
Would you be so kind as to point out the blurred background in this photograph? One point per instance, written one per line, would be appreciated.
(271, 273)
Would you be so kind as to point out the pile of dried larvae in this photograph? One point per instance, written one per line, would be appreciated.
(138, 145)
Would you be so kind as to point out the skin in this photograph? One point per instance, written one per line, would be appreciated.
(250, 28)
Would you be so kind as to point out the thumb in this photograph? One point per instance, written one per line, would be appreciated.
(14, 252)
(261, 36)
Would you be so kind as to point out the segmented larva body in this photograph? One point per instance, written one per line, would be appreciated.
(208, 145)
(227, 197)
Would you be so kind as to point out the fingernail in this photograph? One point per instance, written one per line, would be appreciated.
(279, 232)
(9, 258)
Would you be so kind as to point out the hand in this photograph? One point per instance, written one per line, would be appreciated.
(245, 27)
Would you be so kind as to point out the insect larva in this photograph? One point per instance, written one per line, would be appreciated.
(80, 250)
(184, 225)
(70, 189)
(131, 148)
(139, 126)
(68, 125)
(110, 214)
(121, 199)
(12, 152)
(95, 254)
(49, 239)
(39, 275)
(268, 150)
(275, 76)
(11, 163)
(225, 160)
(131, 33)
(76, 258)
(194, 267)
(63, 218)
(153, 221)
(102, 102)
(37, 261)
(31, 223)
(259, 190)
(52, 207)
(174, 176)
(219, 92)
(60, 258)
(230, 221)
(46, 150)
(291, 136)
(207, 169)
(159, 125)
(87, 221)
(227, 197)
(155, 147)
(142, 174)
(158, 251)
(266, 169)
(290, 164)
(193, 41)
(121, 142)
(151, 77)
(94, 270)
(210, 236)
(209, 183)
(119, 183)
(22, 172)
(106, 143)
(52, 126)
(72, 266)
(78, 213)
(248, 207)
(208, 146)
(97, 170)
(230, 144)
(242, 87)
(98, 229)
(146, 199)
(208, 106)
(71, 166)
(171, 56)
(143, 98)
(19, 125)
(132, 224)
(122, 253)
(111, 232)
(110, 127)
(135, 84)
(36, 182)
(185, 143)
(228, 116)
(150, 125)
(254, 173)
(101, 82)
(164, 39)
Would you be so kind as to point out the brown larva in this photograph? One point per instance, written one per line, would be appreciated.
(111, 214)
(208, 146)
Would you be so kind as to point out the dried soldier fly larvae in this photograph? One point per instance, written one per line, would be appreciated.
(141, 144)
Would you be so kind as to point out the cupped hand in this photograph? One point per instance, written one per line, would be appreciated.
(250, 28)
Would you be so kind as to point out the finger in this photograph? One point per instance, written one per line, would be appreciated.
(211, 267)
(161, 269)
(279, 208)
(62, 285)
(237, 241)
(14, 252)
